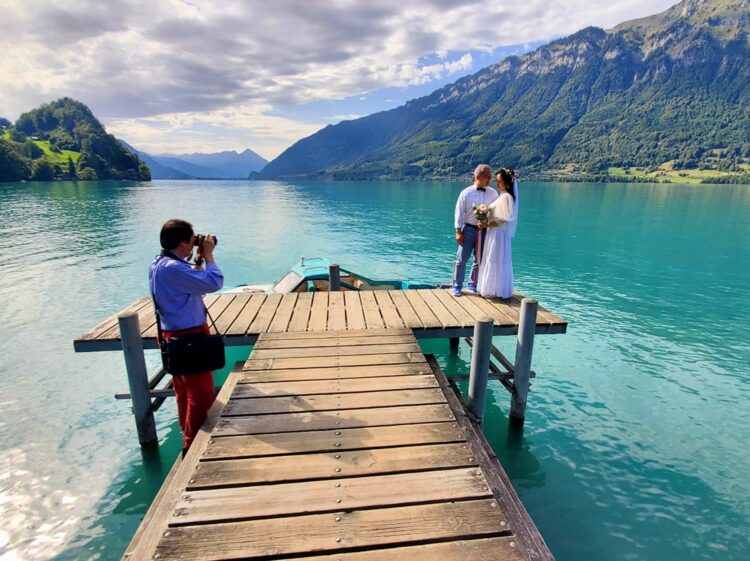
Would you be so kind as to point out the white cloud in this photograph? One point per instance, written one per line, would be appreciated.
(213, 62)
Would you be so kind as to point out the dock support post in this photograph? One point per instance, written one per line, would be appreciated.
(480, 367)
(454, 344)
(334, 278)
(135, 364)
(522, 368)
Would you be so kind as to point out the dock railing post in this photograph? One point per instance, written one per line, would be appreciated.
(135, 364)
(334, 278)
(522, 368)
(480, 366)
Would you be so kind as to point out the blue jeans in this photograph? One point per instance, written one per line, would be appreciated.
(462, 257)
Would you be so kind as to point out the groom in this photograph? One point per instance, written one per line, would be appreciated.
(467, 228)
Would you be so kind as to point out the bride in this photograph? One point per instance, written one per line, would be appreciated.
(496, 268)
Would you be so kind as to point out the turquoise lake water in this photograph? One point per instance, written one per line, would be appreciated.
(635, 444)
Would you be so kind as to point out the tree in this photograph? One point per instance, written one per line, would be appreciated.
(13, 166)
(144, 173)
(5, 123)
(72, 169)
(43, 170)
(87, 174)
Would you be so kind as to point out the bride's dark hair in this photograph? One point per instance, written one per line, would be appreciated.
(508, 176)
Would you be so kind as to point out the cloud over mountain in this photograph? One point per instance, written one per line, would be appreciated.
(133, 59)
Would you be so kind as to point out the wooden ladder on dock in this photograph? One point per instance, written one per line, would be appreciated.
(347, 446)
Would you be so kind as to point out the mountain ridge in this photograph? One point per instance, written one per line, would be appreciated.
(665, 94)
(227, 164)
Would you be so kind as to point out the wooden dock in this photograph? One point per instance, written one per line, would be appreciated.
(344, 443)
(241, 318)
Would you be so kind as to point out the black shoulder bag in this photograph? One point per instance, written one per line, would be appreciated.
(190, 354)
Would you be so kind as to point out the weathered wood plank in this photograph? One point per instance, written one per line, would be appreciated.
(318, 312)
(518, 520)
(456, 310)
(355, 318)
(348, 350)
(301, 312)
(331, 532)
(543, 315)
(508, 307)
(336, 312)
(498, 316)
(226, 447)
(387, 309)
(502, 548)
(335, 402)
(437, 308)
(245, 503)
(144, 543)
(145, 314)
(265, 314)
(292, 336)
(331, 361)
(351, 418)
(426, 316)
(332, 386)
(332, 342)
(371, 310)
(283, 314)
(105, 325)
(331, 465)
(247, 315)
(334, 373)
(230, 314)
(216, 304)
(405, 309)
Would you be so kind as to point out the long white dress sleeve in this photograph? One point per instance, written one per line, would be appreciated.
(503, 209)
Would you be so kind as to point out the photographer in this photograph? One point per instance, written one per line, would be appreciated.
(179, 288)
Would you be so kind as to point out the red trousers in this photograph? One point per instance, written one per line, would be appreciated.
(194, 393)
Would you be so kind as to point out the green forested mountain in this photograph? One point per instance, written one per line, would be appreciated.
(651, 98)
(63, 140)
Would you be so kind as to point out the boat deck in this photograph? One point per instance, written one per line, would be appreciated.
(336, 445)
(428, 313)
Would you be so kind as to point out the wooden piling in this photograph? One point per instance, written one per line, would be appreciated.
(522, 368)
(480, 367)
(135, 364)
(334, 278)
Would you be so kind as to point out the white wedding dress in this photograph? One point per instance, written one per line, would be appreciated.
(496, 269)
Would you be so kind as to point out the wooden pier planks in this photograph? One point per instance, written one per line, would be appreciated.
(369, 472)
(428, 312)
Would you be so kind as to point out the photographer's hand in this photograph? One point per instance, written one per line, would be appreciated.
(208, 248)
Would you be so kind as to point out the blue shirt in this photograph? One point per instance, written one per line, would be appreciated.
(179, 290)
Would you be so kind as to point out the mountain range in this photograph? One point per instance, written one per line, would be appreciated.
(218, 165)
(654, 96)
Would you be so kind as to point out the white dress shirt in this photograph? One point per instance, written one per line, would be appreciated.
(465, 204)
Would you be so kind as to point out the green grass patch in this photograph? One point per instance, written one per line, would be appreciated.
(60, 158)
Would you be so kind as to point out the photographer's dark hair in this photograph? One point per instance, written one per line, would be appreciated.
(173, 232)
(508, 177)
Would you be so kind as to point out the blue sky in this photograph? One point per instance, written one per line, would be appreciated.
(181, 76)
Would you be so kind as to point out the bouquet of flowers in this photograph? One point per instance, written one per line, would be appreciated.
(481, 212)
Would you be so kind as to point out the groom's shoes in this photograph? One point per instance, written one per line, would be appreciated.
(473, 288)
(456, 291)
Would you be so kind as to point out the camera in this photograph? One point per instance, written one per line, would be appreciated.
(200, 237)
